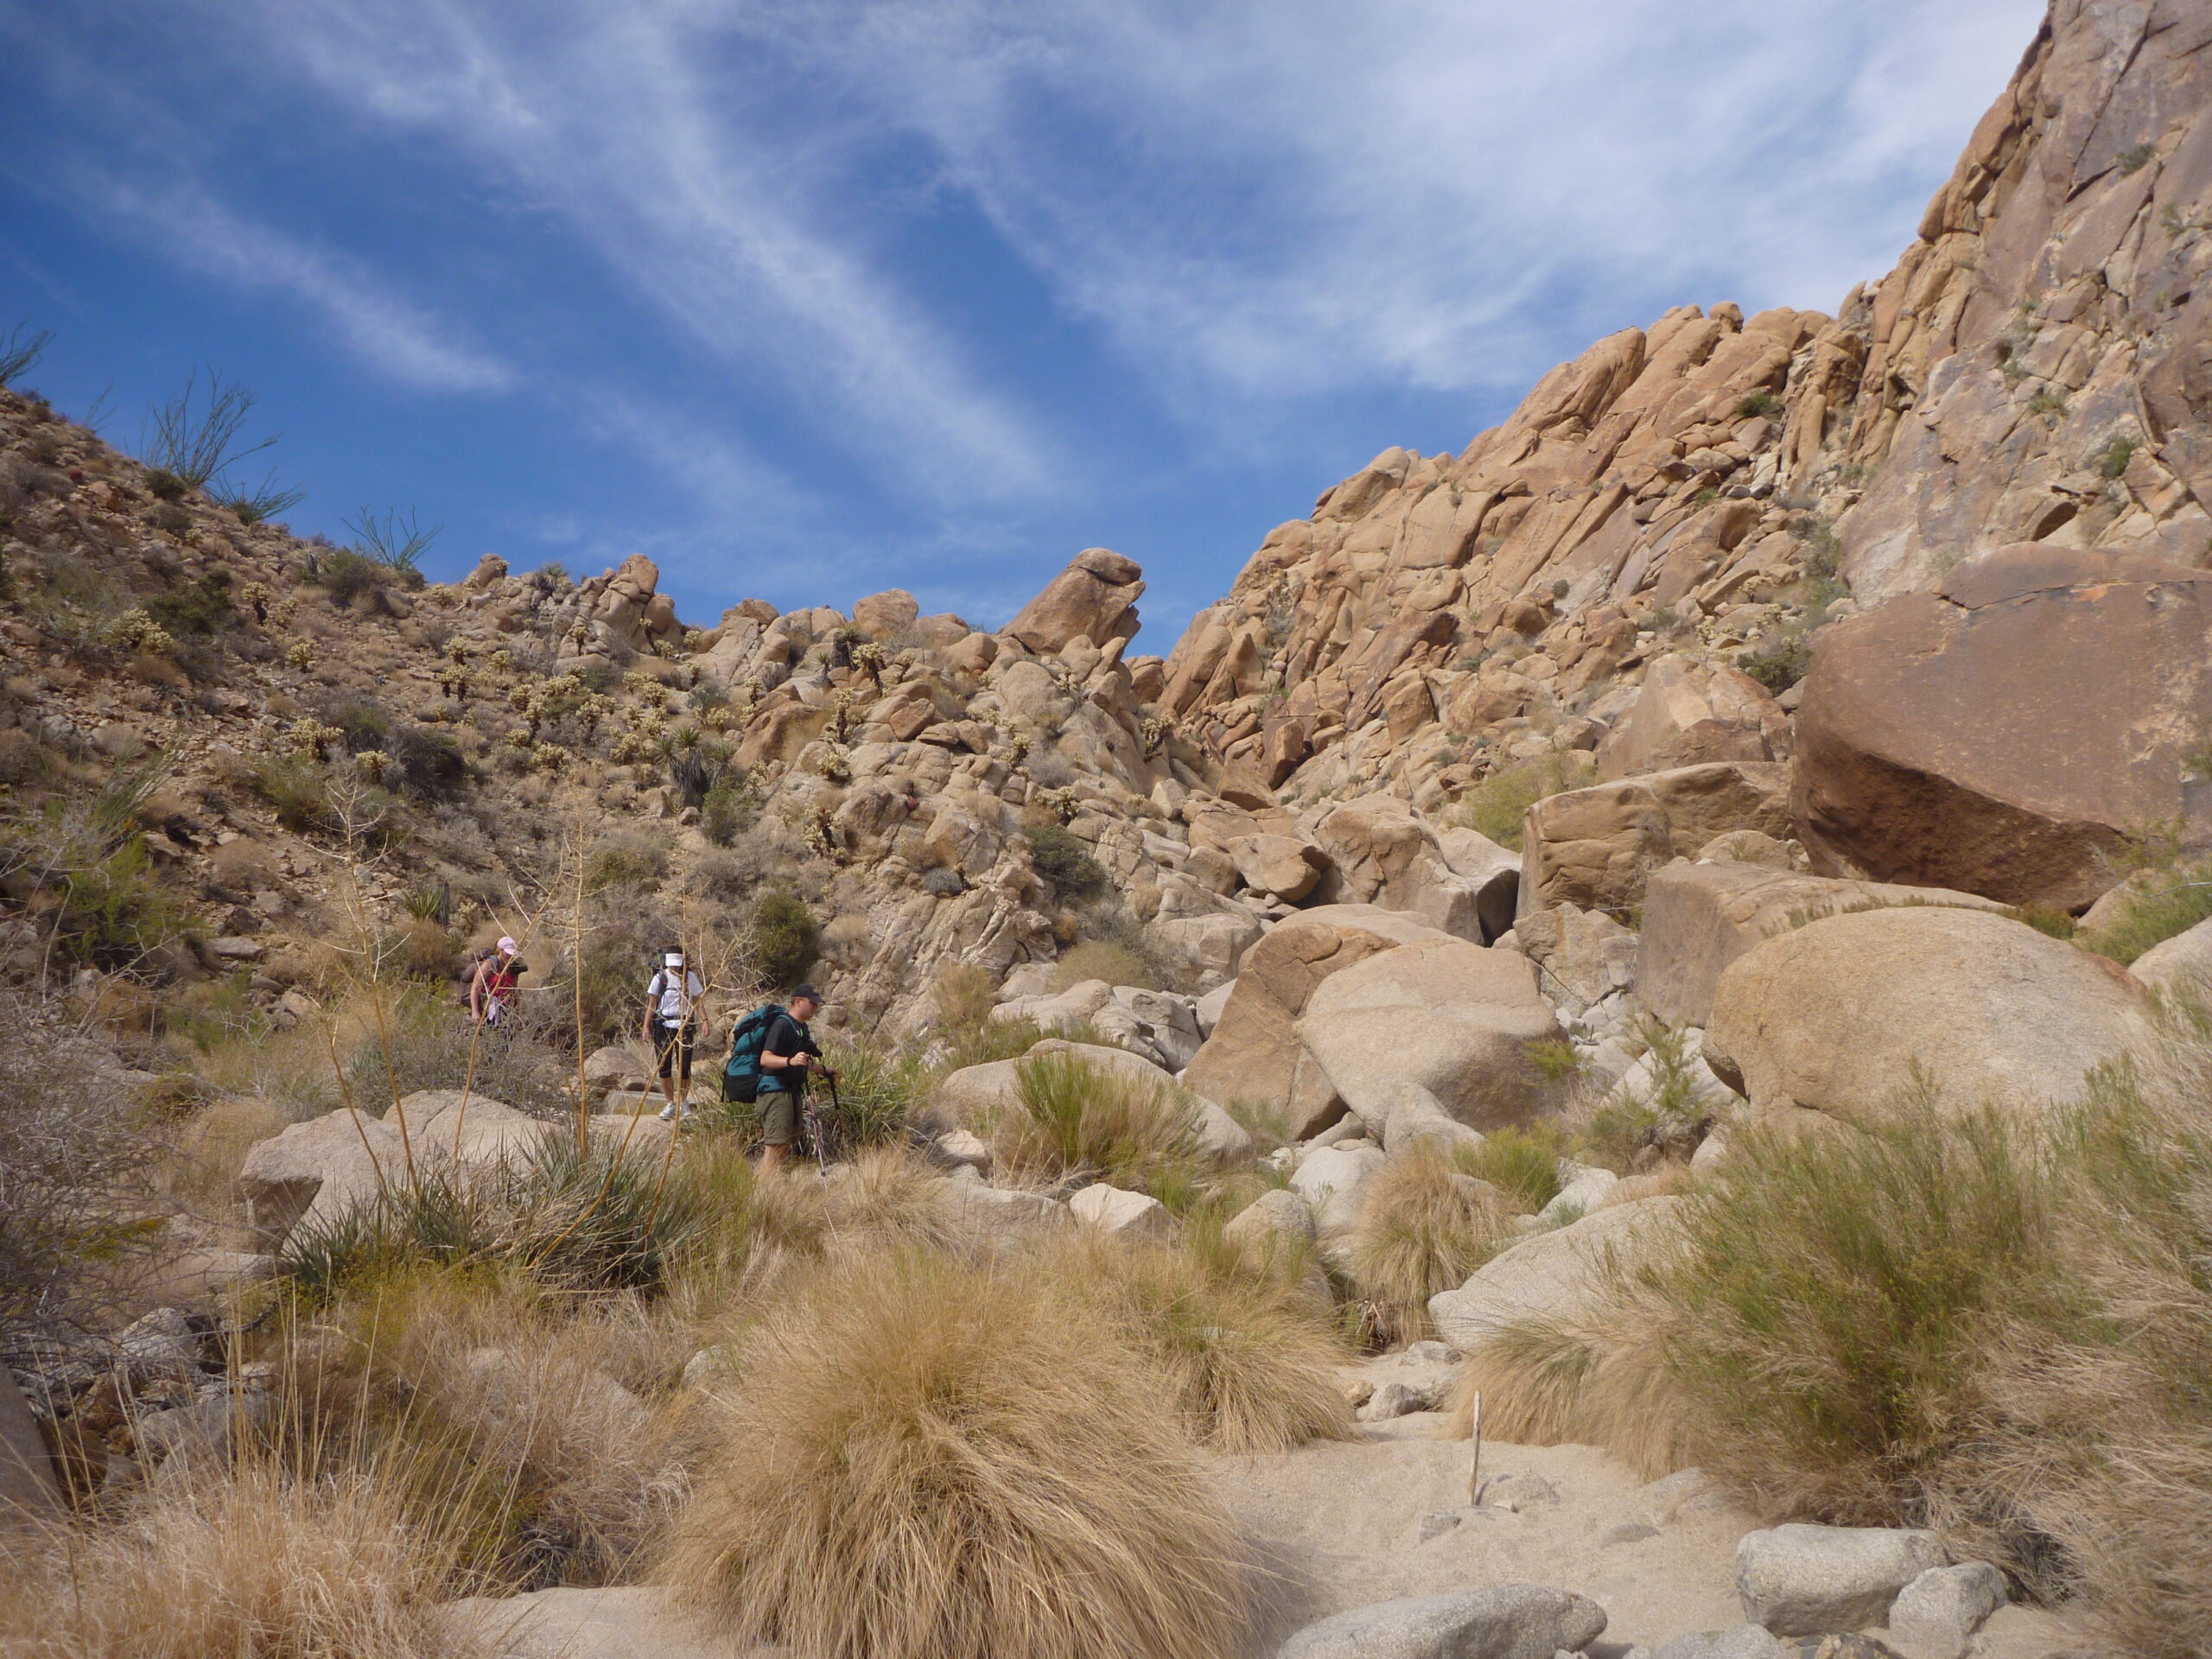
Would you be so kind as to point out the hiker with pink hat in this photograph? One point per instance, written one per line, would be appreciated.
(492, 986)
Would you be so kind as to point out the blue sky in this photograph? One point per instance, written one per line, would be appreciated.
(806, 298)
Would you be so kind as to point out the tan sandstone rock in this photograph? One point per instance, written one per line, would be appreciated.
(2003, 733)
(1094, 599)
(1555, 1275)
(1838, 1016)
(1699, 918)
(1440, 1016)
(1253, 1053)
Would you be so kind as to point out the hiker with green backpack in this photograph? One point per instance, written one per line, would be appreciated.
(771, 1055)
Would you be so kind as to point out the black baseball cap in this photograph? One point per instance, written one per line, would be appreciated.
(808, 992)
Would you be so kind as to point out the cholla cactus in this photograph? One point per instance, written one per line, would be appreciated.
(820, 833)
(1060, 803)
(646, 689)
(549, 757)
(840, 716)
(634, 746)
(1153, 733)
(300, 654)
(518, 737)
(258, 597)
(502, 661)
(455, 680)
(868, 658)
(373, 763)
(833, 763)
(136, 631)
(306, 737)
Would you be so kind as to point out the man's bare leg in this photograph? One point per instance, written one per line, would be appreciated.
(772, 1159)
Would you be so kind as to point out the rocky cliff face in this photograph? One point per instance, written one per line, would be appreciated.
(1686, 502)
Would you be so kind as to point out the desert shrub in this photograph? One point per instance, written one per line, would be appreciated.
(77, 1161)
(115, 913)
(1997, 1328)
(346, 575)
(1074, 1118)
(781, 937)
(1101, 959)
(570, 1220)
(1001, 1039)
(1521, 1163)
(421, 1038)
(1248, 1356)
(925, 1455)
(1630, 1130)
(1497, 806)
(2160, 906)
(1423, 1228)
(1780, 663)
(965, 995)
(1062, 860)
(727, 810)
(244, 1561)
(202, 605)
(297, 789)
(627, 858)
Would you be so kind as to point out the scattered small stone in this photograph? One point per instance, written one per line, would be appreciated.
(1629, 1532)
(1936, 1615)
(1391, 1400)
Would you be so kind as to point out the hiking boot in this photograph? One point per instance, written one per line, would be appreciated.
(668, 1114)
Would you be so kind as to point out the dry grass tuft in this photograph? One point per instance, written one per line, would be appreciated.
(246, 1563)
(1076, 1118)
(927, 1456)
(1250, 1357)
(1423, 1229)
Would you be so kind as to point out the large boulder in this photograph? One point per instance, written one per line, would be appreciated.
(1500, 1621)
(1384, 853)
(1094, 599)
(1333, 1181)
(1689, 712)
(472, 1131)
(1582, 956)
(1440, 1015)
(1699, 918)
(2004, 734)
(1803, 1580)
(1595, 848)
(1560, 1274)
(1841, 1015)
(1253, 1053)
(315, 1171)
(2180, 967)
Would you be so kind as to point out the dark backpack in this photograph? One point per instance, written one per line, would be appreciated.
(741, 1071)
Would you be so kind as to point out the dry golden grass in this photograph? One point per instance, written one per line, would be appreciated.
(1544, 1382)
(928, 1456)
(1248, 1355)
(537, 1429)
(211, 1146)
(1423, 1229)
(242, 1563)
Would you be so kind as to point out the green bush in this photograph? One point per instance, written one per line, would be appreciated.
(2172, 902)
(781, 937)
(297, 789)
(199, 606)
(1078, 1119)
(626, 859)
(1777, 664)
(114, 913)
(1523, 1164)
(1062, 860)
(728, 810)
(1498, 806)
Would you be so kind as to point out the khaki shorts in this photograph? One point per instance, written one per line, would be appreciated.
(779, 1118)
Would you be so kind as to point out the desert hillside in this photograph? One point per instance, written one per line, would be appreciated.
(1611, 1056)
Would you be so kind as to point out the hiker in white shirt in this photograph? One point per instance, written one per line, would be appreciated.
(674, 1024)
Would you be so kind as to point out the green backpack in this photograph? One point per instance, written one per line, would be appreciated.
(741, 1071)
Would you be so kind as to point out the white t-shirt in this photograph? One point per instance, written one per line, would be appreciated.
(675, 998)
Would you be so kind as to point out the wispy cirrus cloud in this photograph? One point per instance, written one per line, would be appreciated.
(400, 341)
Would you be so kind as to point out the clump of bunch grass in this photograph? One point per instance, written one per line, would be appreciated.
(1076, 1119)
(1423, 1229)
(248, 1561)
(1999, 1325)
(1498, 806)
(1247, 1353)
(926, 1454)
(1522, 1164)
(576, 1220)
